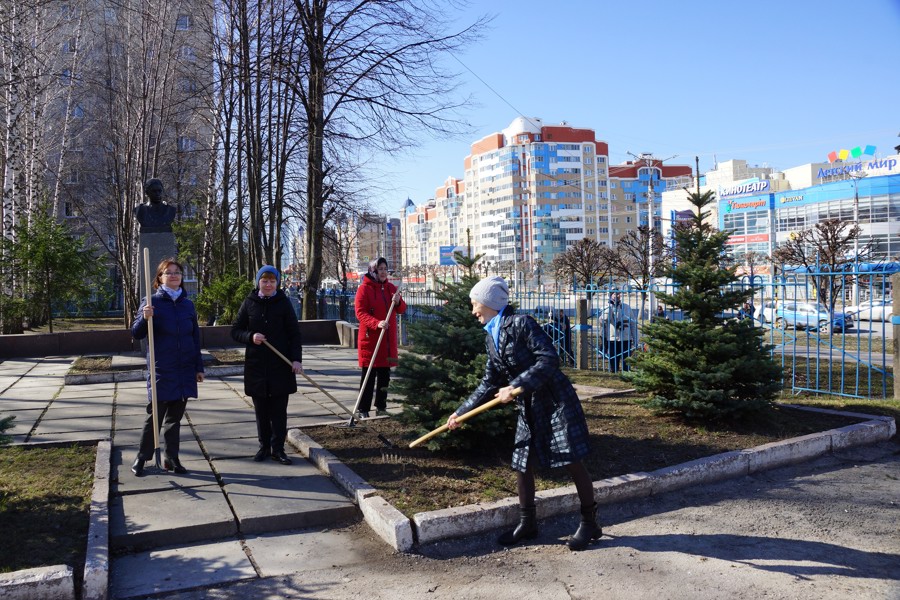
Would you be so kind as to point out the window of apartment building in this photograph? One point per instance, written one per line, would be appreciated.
(588, 161)
(628, 219)
(615, 220)
(184, 23)
(67, 11)
(69, 209)
(73, 177)
(186, 143)
(187, 84)
(77, 112)
(629, 196)
(187, 53)
(109, 14)
(65, 77)
(613, 184)
(70, 45)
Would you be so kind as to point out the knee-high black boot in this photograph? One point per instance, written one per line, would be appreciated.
(526, 529)
(588, 529)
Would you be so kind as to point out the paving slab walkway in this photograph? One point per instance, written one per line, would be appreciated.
(226, 498)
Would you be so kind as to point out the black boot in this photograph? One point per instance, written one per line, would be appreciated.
(526, 529)
(137, 467)
(174, 465)
(587, 530)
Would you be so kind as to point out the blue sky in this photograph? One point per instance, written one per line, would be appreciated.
(774, 82)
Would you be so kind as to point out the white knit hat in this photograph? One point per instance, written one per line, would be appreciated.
(492, 292)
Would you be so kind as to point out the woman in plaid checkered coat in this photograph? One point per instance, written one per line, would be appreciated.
(551, 430)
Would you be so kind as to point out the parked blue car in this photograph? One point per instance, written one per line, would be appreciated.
(810, 315)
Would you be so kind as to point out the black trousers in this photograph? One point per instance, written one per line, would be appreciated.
(618, 351)
(271, 421)
(170, 414)
(380, 376)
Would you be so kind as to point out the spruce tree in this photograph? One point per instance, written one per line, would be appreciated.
(445, 362)
(704, 366)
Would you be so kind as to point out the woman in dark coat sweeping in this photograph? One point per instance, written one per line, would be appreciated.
(268, 316)
(551, 430)
(176, 346)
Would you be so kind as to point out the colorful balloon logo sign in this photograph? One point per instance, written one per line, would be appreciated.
(855, 153)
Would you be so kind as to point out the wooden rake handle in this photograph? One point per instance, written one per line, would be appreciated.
(307, 377)
(475, 411)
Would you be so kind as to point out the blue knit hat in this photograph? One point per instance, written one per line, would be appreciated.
(268, 269)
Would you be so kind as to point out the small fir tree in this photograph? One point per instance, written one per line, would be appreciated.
(6, 423)
(445, 362)
(705, 367)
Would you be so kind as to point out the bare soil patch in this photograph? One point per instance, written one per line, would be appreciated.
(103, 364)
(625, 438)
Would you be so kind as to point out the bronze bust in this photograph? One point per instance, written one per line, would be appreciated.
(157, 216)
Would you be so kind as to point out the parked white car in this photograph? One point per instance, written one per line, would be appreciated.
(765, 312)
(872, 310)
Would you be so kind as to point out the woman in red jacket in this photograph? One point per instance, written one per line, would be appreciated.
(373, 300)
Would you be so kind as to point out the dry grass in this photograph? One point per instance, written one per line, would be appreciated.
(45, 497)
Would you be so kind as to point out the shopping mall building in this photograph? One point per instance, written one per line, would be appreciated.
(762, 208)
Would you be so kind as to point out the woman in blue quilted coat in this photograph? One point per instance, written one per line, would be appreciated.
(179, 367)
(551, 430)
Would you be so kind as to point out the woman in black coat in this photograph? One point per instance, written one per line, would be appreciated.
(268, 316)
(551, 430)
(176, 348)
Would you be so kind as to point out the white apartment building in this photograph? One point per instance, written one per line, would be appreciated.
(531, 191)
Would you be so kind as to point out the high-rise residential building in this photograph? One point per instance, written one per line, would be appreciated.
(631, 185)
(530, 192)
(379, 236)
(124, 95)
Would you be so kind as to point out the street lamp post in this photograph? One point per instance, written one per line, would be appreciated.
(856, 177)
(650, 161)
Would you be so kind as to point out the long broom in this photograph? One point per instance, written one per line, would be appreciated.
(307, 377)
(463, 417)
(381, 438)
(152, 352)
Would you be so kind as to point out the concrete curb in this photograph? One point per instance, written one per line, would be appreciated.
(96, 565)
(433, 526)
(57, 582)
(387, 522)
(141, 375)
(43, 583)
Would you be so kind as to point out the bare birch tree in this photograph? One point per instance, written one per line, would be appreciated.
(371, 75)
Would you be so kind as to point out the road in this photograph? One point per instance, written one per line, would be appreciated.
(825, 530)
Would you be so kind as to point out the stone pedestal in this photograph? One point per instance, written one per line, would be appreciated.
(161, 245)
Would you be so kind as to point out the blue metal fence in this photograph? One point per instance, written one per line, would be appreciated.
(844, 351)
